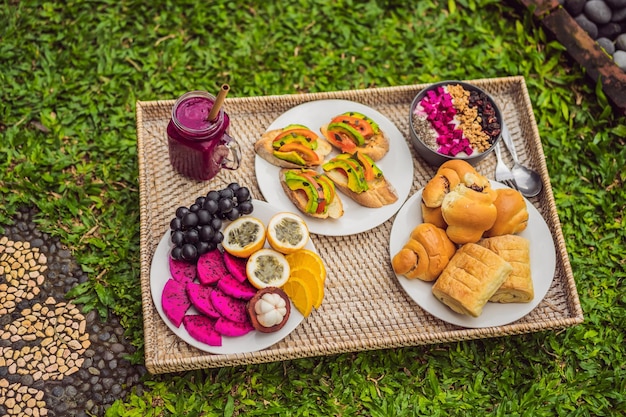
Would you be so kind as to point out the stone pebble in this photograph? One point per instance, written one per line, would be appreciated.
(54, 360)
(604, 21)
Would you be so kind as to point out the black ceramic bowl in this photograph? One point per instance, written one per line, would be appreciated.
(430, 154)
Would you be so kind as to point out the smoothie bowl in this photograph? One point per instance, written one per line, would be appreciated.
(454, 120)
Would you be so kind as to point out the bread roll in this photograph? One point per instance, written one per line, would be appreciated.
(518, 287)
(512, 214)
(470, 279)
(468, 213)
(425, 254)
(433, 216)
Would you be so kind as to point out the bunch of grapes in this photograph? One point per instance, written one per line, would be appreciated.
(196, 229)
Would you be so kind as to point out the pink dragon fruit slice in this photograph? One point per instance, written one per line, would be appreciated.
(182, 271)
(236, 266)
(211, 267)
(229, 307)
(174, 301)
(199, 296)
(202, 328)
(231, 286)
(231, 328)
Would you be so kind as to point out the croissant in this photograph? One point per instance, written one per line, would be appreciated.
(425, 254)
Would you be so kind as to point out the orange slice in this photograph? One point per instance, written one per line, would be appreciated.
(244, 236)
(307, 259)
(314, 282)
(299, 294)
(287, 232)
(267, 268)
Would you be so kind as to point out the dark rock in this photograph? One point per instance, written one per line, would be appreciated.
(616, 4)
(574, 7)
(620, 42)
(619, 15)
(607, 45)
(620, 59)
(609, 30)
(587, 25)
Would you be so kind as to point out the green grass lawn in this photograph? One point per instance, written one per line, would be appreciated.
(71, 73)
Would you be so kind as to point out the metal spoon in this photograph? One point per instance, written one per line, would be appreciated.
(528, 181)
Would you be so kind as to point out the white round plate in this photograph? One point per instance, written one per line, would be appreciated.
(397, 166)
(542, 266)
(251, 342)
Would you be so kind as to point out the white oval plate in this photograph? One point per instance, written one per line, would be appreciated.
(251, 342)
(397, 166)
(542, 265)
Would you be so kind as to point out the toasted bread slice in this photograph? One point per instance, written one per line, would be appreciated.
(375, 146)
(264, 148)
(333, 209)
(357, 176)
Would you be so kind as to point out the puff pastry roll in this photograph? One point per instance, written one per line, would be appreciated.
(470, 279)
(518, 287)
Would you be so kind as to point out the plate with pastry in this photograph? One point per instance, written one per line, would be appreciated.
(359, 177)
(492, 277)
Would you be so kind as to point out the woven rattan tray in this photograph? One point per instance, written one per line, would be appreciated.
(364, 308)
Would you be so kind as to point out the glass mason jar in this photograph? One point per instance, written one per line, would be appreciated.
(199, 148)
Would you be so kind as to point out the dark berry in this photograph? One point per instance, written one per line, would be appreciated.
(245, 207)
(194, 208)
(216, 224)
(211, 206)
(206, 233)
(181, 211)
(212, 246)
(227, 193)
(203, 247)
(233, 214)
(200, 200)
(219, 236)
(234, 186)
(213, 195)
(177, 253)
(189, 252)
(190, 220)
(204, 217)
(192, 236)
(176, 224)
(177, 237)
(243, 194)
(225, 205)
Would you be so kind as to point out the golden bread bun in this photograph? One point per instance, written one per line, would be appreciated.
(512, 214)
(433, 216)
(425, 254)
(436, 189)
(469, 213)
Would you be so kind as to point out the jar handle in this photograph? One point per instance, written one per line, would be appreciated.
(234, 154)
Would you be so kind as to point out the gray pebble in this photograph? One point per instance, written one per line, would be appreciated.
(587, 25)
(598, 11)
(607, 45)
(620, 59)
(620, 42)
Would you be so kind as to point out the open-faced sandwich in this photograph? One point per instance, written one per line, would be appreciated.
(358, 176)
(294, 146)
(351, 132)
(312, 193)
